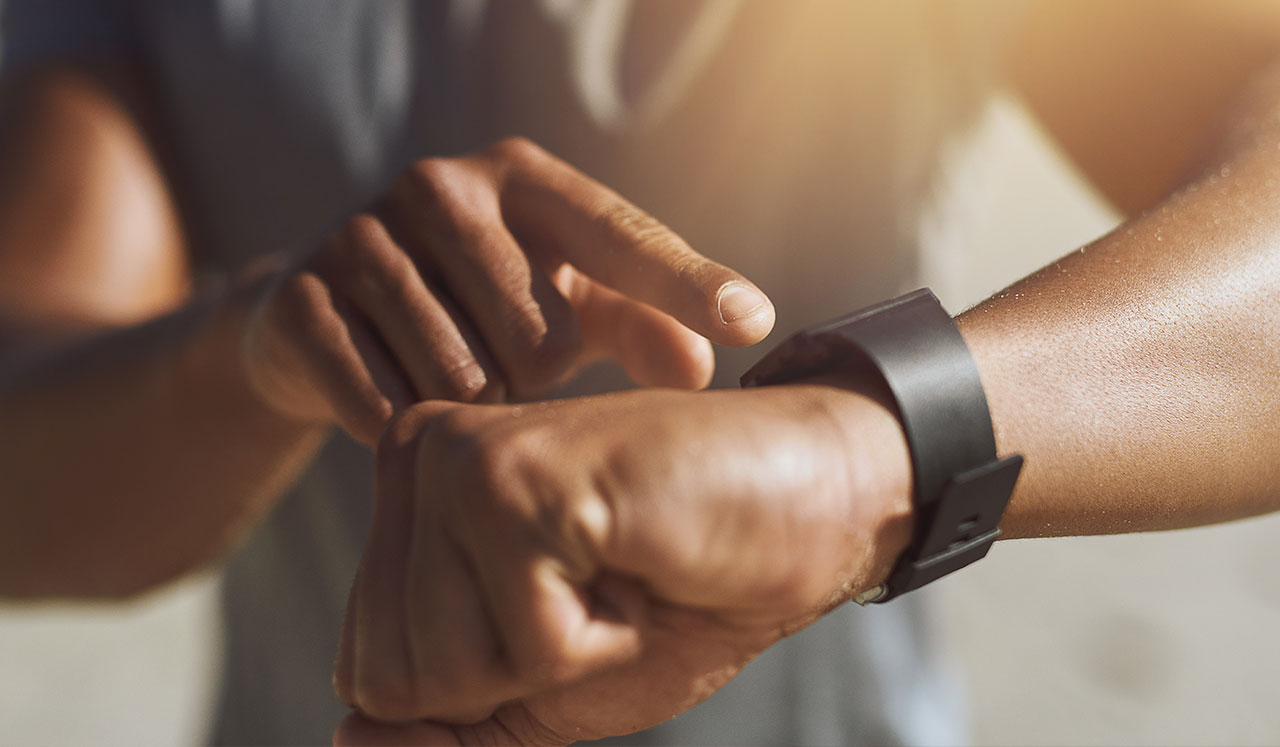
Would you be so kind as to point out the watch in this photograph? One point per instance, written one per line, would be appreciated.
(960, 487)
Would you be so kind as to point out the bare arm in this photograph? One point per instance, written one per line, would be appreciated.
(142, 450)
(1140, 374)
(129, 453)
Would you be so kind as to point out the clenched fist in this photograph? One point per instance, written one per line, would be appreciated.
(582, 568)
(489, 276)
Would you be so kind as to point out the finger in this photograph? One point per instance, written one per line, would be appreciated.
(523, 547)
(513, 726)
(553, 632)
(381, 679)
(613, 241)
(458, 226)
(456, 652)
(654, 348)
(344, 368)
(387, 377)
(360, 731)
(434, 345)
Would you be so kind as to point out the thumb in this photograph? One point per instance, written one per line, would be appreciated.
(654, 348)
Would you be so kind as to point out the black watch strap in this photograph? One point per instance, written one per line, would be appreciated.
(960, 487)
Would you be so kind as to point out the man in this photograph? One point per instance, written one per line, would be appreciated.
(452, 284)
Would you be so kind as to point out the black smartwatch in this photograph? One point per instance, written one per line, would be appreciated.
(959, 486)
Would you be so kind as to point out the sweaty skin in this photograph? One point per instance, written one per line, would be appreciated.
(1140, 373)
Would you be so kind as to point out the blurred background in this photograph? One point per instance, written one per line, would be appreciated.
(1157, 639)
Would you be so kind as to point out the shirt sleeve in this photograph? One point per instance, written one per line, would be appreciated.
(37, 32)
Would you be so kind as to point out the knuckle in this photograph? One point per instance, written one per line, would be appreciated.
(621, 217)
(490, 457)
(448, 197)
(547, 658)
(505, 469)
(370, 423)
(493, 463)
(452, 427)
(701, 272)
(632, 226)
(417, 429)
(456, 680)
(452, 688)
(440, 185)
(517, 150)
(401, 430)
(388, 697)
(363, 232)
(431, 178)
(451, 437)
(370, 260)
(395, 442)
(305, 305)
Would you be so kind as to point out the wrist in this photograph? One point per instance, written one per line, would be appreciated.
(269, 359)
(960, 487)
(876, 460)
(215, 356)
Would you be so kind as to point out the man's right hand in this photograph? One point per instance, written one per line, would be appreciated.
(493, 275)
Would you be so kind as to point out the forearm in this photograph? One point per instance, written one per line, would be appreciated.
(134, 457)
(1140, 375)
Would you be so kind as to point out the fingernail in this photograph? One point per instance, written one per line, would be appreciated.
(738, 302)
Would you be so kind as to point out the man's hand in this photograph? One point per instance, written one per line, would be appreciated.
(489, 276)
(583, 568)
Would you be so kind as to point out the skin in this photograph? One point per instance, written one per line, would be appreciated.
(574, 569)
(490, 276)
(1136, 376)
(457, 285)
(1155, 347)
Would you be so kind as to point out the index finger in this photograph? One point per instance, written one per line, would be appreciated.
(593, 228)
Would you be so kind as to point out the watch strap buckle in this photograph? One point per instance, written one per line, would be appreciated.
(965, 523)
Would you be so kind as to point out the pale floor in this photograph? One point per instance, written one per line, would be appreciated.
(1154, 639)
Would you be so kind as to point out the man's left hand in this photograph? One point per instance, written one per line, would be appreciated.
(570, 570)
